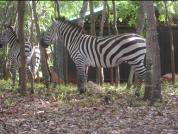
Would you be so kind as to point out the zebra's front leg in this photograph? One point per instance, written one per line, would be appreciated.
(82, 76)
(138, 82)
(32, 84)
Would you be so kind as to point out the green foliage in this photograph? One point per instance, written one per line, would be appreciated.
(4, 84)
(45, 10)
(172, 10)
(70, 9)
(126, 11)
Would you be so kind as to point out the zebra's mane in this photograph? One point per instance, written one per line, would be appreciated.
(12, 30)
(63, 19)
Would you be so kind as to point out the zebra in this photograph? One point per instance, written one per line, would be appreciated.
(87, 50)
(32, 54)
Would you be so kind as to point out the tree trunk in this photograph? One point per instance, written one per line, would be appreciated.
(153, 74)
(141, 21)
(109, 33)
(139, 30)
(58, 7)
(82, 13)
(21, 10)
(31, 24)
(45, 68)
(117, 73)
(81, 20)
(115, 17)
(5, 12)
(65, 66)
(103, 19)
(93, 32)
(171, 43)
(5, 59)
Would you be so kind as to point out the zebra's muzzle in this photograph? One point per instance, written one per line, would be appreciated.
(43, 44)
(1, 45)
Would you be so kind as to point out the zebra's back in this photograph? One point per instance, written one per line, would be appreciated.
(111, 51)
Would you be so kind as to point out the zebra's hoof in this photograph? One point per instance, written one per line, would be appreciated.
(137, 94)
(31, 91)
(82, 91)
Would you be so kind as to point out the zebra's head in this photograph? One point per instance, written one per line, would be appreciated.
(7, 34)
(51, 35)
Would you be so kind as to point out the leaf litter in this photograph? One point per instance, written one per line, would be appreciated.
(101, 113)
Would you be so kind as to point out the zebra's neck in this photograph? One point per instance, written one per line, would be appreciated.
(70, 33)
(13, 43)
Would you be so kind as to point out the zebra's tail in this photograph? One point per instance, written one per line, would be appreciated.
(36, 58)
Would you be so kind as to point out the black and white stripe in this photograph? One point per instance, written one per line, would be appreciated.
(87, 50)
(32, 55)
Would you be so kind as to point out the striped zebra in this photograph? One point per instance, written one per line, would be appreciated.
(32, 54)
(87, 50)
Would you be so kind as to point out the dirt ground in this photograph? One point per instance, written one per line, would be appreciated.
(86, 114)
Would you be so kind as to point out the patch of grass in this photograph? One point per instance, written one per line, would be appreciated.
(69, 94)
(176, 82)
(9, 102)
(5, 85)
(59, 93)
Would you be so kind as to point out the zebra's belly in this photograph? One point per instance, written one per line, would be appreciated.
(98, 65)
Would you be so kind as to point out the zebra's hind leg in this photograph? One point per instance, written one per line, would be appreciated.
(13, 82)
(13, 75)
(32, 83)
(31, 79)
(32, 86)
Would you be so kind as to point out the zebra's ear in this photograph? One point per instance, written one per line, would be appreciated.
(11, 28)
(8, 26)
(52, 19)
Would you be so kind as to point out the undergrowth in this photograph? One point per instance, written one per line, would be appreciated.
(69, 94)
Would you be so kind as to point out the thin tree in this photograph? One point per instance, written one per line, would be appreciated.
(139, 30)
(171, 43)
(109, 33)
(5, 60)
(93, 32)
(60, 53)
(82, 13)
(66, 54)
(117, 73)
(153, 84)
(45, 68)
(103, 19)
(58, 7)
(21, 10)
(31, 23)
